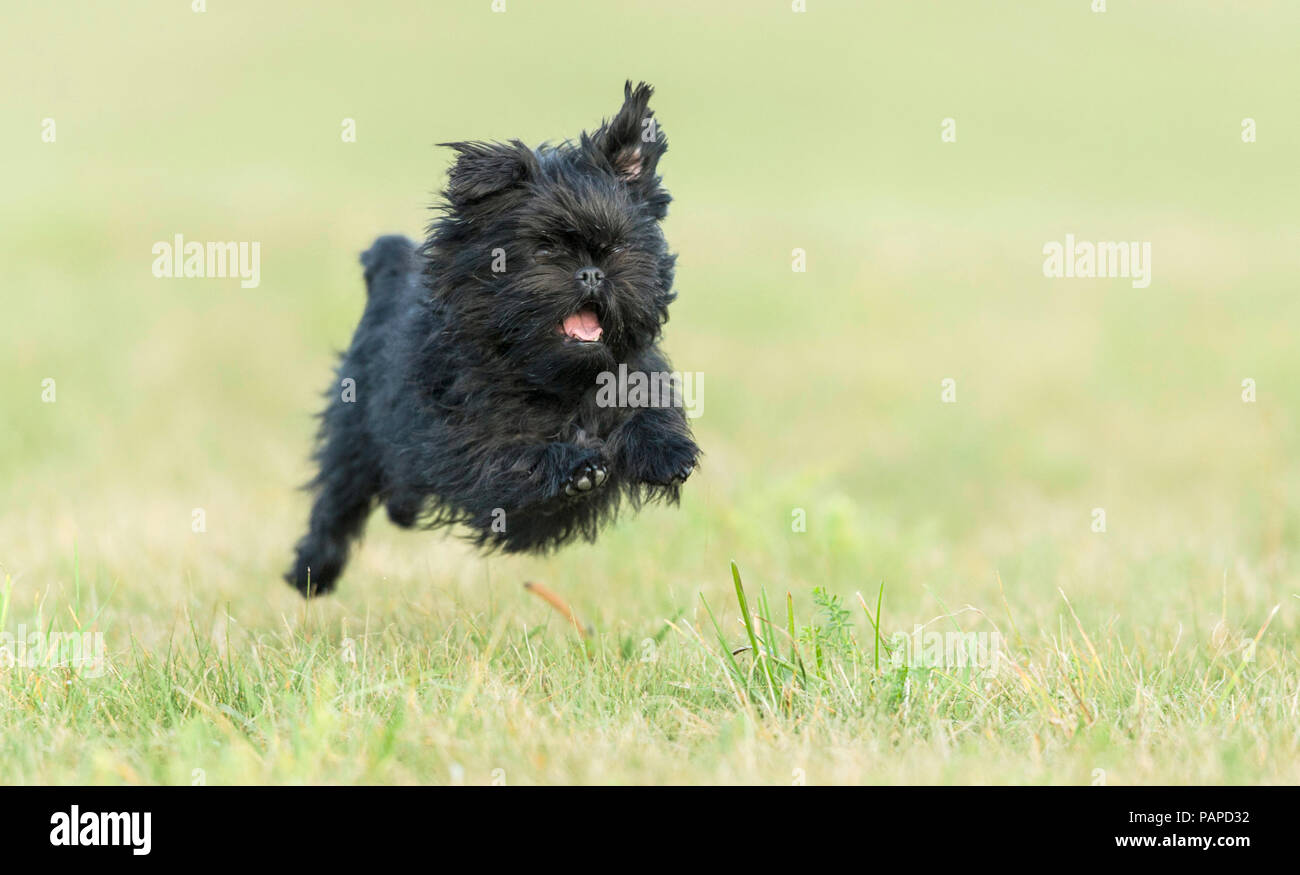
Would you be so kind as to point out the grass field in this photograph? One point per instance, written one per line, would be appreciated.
(1161, 650)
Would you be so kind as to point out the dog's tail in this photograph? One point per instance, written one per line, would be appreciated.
(387, 262)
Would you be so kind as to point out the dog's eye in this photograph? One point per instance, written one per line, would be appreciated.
(543, 252)
(615, 250)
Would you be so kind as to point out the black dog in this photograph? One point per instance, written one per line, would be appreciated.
(469, 394)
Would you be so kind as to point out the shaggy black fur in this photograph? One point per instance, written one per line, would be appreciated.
(475, 395)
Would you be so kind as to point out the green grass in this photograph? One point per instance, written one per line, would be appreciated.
(746, 697)
(1162, 650)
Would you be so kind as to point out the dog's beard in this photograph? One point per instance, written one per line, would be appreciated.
(561, 347)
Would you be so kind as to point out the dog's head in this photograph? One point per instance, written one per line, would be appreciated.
(553, 257)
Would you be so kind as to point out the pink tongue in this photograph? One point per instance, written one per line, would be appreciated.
(583, 325)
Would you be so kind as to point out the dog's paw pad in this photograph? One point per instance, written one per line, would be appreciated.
(586, 478)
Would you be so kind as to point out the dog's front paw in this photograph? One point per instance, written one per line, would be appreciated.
(586, 476)
(671, 467)
(684, 472)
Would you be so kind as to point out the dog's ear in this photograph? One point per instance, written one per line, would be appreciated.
(632, 142)
(485, 169)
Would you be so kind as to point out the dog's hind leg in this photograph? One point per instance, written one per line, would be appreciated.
(404, 508)
(345, 495)
(350, 479)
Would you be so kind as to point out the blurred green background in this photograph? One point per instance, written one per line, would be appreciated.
(818, 131)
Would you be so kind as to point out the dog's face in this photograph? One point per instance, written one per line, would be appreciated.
(554, 257)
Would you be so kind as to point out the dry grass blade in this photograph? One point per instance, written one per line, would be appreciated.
(552, 598)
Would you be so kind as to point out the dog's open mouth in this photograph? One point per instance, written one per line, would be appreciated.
(582, 327)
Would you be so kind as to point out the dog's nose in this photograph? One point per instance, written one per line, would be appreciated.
(590, 277)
